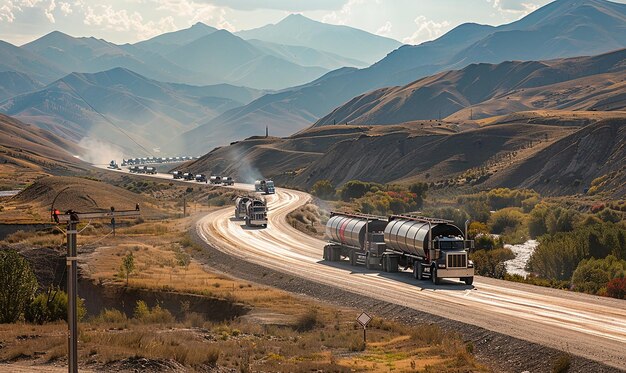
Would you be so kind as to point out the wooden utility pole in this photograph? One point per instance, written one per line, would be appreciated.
(72, 218)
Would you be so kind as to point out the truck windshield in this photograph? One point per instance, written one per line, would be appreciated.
(378, 238)
(451, 245)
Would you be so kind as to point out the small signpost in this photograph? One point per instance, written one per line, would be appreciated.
(364, 319)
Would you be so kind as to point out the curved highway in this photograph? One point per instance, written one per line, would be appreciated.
(587, 326)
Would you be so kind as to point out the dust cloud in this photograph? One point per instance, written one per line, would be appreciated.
(99, 152)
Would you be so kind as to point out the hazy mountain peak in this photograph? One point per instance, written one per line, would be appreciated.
(295, 18)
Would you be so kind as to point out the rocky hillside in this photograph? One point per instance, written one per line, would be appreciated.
(494, 152)
(484, 90)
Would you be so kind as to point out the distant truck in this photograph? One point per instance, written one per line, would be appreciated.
(216, 179)
(177, 174)
(264, 186)
(149, 170)
(133, 169)
(433, 248)
(201, 178)
(188, 176)
(253, 210)
(113, 165)
(228, 180)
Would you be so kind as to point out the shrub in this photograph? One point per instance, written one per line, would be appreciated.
(592, 275)
(112, 316)
(506, 219)
(154, 315)
(18, 284)
(491, 262)
(561, 364)
(616, 288)
(51, 306)
(354, 189)
(488, 242)
(323, 189)
(450, 213)
(307, 321)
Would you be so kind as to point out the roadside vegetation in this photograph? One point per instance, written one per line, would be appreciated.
(581, 240)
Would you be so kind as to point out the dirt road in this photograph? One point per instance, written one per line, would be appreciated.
(588, 326)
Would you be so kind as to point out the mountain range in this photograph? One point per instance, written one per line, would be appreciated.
(484, 90)
(121, 107)
(563, 28)
(197, 55)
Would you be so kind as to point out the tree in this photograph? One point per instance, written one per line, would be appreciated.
(50, 306)
(323, 189)
(420, 190)
(354, 189)
(128, 266)
(17, 285)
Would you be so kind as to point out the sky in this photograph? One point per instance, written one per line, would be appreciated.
(129, 21)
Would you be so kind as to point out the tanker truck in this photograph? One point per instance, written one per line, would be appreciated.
(433, 248)
(264, 186)
(252, 210)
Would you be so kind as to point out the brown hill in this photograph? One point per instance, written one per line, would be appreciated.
(27, 152)
(477, 152)
(79, 194)
(483, 90)
(570, 165)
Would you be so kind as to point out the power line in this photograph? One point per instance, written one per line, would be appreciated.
(107, 119)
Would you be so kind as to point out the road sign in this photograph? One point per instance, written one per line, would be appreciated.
(364, 319)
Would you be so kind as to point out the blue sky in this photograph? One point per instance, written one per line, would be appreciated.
(129, 21)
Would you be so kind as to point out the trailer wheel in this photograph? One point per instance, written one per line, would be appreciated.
(385, 264)
(352, 256)
(415, 271)
(433, 276)
(335, 253)
(325, 254)
(468, 280)
(420, 271)
(367, 261)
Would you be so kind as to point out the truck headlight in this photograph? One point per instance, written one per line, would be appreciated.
(441, 265)
(470, 264)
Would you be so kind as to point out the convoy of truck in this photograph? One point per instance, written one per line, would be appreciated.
(433, 248)
(264, 186)
(252, 209)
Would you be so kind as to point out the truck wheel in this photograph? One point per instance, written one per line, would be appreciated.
(468, 280)
(367, 261)
(433, 276)
(352, 258)
(385, 258)
(392, 265)
(420, 270)
(415, 271)
(325, 254)
(336, 253)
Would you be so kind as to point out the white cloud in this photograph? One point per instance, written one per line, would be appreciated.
(342, 16)
(122, 20)
(66, 8)
(385, 30)
(6, 13)
(48, 11)
(517, 7)
(426, 30)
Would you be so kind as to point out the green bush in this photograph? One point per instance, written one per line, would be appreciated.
(508, 219)
(491, 262)
(593, 275)
(354, 189)
(154, 315)
(323, 189)
(488, 242)
(17, 285)
(558, 255)
(51, 306)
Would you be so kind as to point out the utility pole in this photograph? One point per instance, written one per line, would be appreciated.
(72, 218)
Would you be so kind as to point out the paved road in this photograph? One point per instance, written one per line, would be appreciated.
(588, 326)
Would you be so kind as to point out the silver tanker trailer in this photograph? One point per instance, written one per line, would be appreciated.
(433, 248)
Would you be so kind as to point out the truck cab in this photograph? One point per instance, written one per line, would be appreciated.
(450, 257)
(201, 178)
